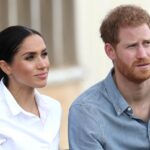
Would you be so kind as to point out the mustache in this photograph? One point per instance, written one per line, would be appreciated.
(141, 62)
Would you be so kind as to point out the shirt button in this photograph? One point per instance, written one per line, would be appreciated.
(129, 109)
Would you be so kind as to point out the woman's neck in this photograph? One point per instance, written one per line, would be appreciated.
(25, 97)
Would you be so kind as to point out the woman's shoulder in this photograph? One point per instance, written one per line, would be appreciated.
(48, 101)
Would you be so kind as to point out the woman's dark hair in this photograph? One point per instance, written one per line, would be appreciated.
(11, 39)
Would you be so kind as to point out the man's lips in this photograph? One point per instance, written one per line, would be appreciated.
(143, 66)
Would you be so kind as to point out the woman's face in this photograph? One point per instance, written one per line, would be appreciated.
(30, 65)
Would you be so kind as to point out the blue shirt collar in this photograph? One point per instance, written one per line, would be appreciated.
(115, 97)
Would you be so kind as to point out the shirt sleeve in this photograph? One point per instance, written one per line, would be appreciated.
(84, 131)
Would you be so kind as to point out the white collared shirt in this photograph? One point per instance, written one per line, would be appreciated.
(21, 130)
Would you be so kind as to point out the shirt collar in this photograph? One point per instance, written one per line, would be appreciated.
(16, 109)
(10, 100)
(115, 97)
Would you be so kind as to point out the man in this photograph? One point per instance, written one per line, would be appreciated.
(114, 114)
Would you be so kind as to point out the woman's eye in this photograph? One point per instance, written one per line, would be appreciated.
(31, 57)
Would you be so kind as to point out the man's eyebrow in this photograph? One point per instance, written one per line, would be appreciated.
(146, 40)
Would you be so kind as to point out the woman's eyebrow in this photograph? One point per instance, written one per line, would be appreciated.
(33, 52)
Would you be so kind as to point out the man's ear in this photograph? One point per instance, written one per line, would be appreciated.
(5, 67)
(110, 51)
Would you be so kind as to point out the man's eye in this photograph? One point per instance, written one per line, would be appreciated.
(147, 43)
(44, 54)
(132, 45)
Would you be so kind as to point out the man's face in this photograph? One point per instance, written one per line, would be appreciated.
(132, 54)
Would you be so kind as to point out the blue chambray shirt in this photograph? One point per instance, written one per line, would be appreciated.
(101, 119)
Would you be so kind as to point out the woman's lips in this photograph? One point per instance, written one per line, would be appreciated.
(41, 75)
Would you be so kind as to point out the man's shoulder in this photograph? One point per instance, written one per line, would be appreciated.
(92, 95)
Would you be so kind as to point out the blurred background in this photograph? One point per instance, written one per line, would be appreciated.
(71, 32)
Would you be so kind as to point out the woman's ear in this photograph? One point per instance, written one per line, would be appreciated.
(110, 51)
(5, 67)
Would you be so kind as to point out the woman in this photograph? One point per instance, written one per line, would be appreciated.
(28, 119)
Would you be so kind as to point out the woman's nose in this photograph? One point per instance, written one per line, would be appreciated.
(42, 63)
